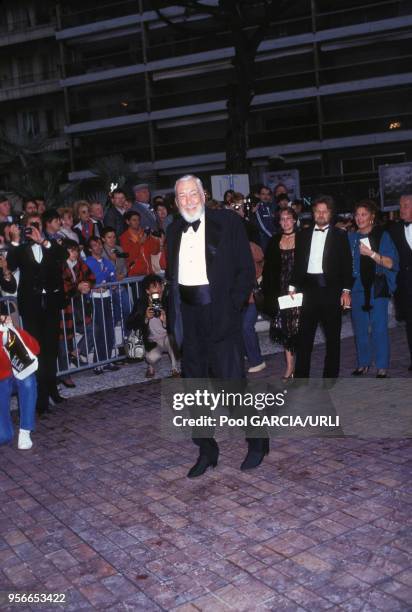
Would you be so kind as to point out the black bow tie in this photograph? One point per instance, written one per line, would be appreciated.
(195, 225)
(407, 223)
(318, 229)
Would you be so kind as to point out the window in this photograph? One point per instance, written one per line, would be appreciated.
(30, 123)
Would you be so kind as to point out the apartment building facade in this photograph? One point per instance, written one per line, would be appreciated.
(332, 98)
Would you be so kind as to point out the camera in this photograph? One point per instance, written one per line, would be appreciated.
(248, 208)
(120, 254)
(156, 304)
(3, 252)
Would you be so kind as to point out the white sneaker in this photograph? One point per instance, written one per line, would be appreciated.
(25, 441)
(258, 368)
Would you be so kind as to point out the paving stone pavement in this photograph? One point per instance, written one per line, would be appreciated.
(101, 510)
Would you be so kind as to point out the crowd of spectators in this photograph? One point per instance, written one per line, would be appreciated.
(65, 266)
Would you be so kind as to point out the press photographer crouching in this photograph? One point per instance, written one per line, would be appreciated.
(149, 317)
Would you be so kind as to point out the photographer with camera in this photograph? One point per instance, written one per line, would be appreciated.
(40, 297)
(149, 316)
(140, 244)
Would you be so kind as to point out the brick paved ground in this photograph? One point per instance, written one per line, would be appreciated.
(101, 509)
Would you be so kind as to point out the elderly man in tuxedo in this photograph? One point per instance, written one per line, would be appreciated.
(401, 234)
(211, 275)
(323, 272)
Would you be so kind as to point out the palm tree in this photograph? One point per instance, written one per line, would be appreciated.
(33, 168)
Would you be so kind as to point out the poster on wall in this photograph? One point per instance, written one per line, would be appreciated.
(223, 182)
(289, 178)
(395, 180)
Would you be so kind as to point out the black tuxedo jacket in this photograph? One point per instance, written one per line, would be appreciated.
(337, 260)
(230, 271)
(36, 277)
(404, 281)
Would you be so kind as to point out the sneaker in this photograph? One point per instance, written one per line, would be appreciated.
(25, 441)
(111, 367)
(257, 368)
(98, 371)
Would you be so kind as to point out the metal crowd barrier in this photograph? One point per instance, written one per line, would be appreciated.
(92, 326)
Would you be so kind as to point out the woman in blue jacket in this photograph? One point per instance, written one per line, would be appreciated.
(375, 266)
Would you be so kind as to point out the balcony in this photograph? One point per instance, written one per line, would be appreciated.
(72, 19)
(17, 32)
(27, 85)
(104, 62)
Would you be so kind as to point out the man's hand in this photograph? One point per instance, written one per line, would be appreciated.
(345, 300)
(14, 233)
(84, 287)
(149, 313)
(36, 235)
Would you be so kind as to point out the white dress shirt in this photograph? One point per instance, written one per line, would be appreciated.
(315, 265)
(38, 253)
(408, 234)
(192, 256)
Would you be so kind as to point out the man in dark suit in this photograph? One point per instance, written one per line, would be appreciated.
(211, 275)
(114, 215)
(148, 218)
(40, 297)
(323, 272)
(401, 234)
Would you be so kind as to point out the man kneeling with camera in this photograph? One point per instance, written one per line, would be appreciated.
(149, 317)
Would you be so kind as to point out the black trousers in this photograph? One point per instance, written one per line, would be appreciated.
(42, 321)
(320, 306)
(203, 358)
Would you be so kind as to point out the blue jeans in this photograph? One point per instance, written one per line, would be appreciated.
(250, 337)
(103, 328)
(27, 393)
(121, 307)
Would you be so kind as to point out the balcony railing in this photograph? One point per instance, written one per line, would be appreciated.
(363, 13)
(26, 25)
(31, 78)
(101, 12)
(104, 62)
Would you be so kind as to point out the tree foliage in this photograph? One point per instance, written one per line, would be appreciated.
(246, 23)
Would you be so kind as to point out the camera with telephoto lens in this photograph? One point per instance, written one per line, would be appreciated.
(156, 304)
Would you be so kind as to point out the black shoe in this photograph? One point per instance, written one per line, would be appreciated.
(44, 411)
(255, 456)
(201, 465)
(360, 371)
(110, 367)
(56, 397)
(382, 375)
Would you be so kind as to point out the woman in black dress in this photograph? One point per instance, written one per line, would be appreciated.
(277, 269)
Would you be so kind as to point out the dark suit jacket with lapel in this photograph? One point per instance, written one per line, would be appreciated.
(230, 271)
(337, 260)
(113, 218)
(404, 281)
(34, 277)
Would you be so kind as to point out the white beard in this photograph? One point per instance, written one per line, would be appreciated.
(195, 216)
